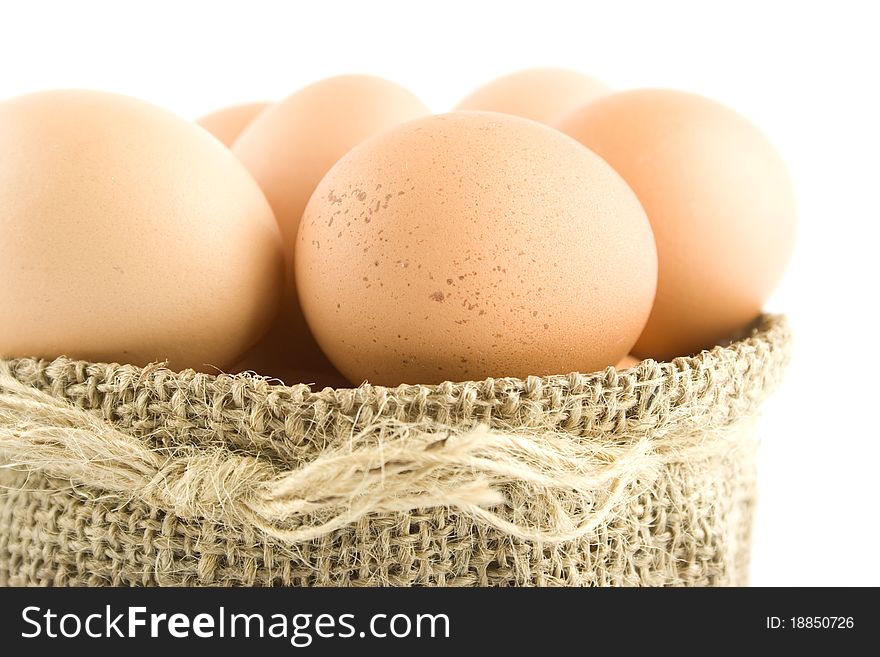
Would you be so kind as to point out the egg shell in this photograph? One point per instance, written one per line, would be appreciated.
(228, 123)
(719, 200)
(628, 361)
(470, 245)
(128, 234)
(540, 94)
(290, 147)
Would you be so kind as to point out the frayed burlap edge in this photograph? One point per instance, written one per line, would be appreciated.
(198, 479)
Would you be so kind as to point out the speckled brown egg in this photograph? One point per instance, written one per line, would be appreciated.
(471, 245)
(720, 202)
(128, 234)
(540, 94)
(289, 148)
(228, 123)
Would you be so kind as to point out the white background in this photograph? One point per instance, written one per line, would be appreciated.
(807, 74)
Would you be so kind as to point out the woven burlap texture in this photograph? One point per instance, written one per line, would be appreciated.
(114, 474)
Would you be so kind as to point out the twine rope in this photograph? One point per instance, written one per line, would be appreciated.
(492, 476)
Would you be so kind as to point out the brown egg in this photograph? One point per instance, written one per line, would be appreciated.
(627, 362)
(471, 245)
(291, 146)
(720, 203)
(128, 234)
(228, 123)
(540, 94)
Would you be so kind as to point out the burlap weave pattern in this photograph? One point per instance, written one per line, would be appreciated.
(113, 474)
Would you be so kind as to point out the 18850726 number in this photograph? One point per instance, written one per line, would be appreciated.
(821, 622)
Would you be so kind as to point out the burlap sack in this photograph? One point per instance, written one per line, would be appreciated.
(114, 474)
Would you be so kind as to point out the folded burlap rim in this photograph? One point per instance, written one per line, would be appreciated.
(547, 459)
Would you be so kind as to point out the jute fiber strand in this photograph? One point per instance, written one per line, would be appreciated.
(114, 474)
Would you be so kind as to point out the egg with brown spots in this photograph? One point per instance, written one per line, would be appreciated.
(473, 245)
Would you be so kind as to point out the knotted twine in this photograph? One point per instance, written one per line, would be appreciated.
(388, 466)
